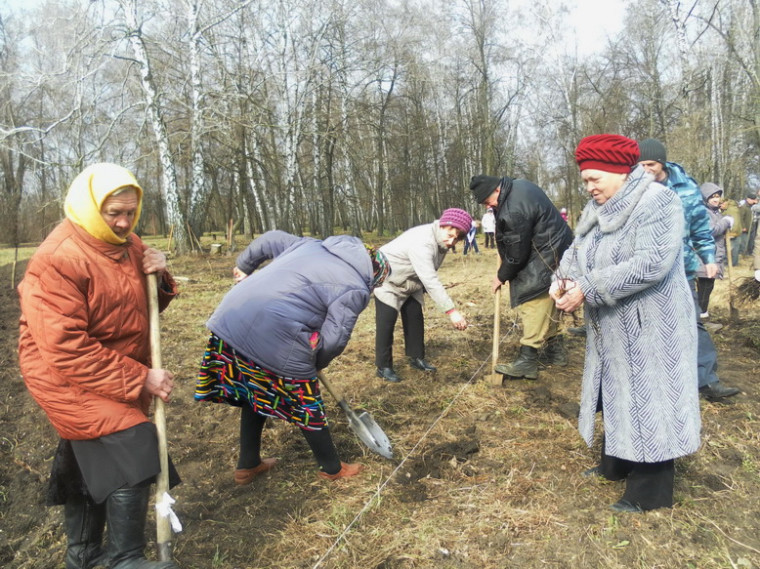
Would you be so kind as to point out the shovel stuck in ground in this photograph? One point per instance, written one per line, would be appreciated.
(733, 313)
(163, 524)
(362, 424)
(494, 378)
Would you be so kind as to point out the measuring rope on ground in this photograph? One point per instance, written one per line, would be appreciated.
(385, 483)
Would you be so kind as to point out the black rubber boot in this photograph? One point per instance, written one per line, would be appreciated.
(84, 522)
(126, 511)
(526, 365)
(554, 353)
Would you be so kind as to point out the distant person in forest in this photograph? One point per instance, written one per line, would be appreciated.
(625, 265)
(563, 213)
(279, 326)
(756, 260)
(531, 237)
(471, 239)
(84, 353)
(698, 245)
(719, 225)
(749, 213)
(416, 255)
(489, 228)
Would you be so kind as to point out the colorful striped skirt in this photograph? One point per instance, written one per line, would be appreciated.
(229, 377)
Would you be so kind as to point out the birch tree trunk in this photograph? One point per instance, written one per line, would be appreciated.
(197, 196)
(174, 212)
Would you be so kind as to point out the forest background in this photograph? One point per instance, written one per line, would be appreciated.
(356, 116)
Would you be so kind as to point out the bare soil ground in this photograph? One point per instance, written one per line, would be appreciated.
(483, 477)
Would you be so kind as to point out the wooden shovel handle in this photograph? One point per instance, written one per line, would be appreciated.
(496, 329)
(332, 390)
(163, 526)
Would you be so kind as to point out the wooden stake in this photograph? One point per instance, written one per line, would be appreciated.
(496, 378)
(13, 268)
(163, 526)
(171, 234)
(733, 313)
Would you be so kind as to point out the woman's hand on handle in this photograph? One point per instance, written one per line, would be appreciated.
(160, 383)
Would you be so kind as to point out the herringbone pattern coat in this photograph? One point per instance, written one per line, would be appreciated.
(641, 347)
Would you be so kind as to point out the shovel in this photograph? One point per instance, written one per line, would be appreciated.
(362, 424)
(163, 525)
(732, 311)
(495, 378)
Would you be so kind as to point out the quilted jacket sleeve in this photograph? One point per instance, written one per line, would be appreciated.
(57, 310)
(339, 323)
(266, 247)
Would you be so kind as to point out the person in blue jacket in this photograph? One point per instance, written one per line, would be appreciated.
(698, 241)
(276, 328)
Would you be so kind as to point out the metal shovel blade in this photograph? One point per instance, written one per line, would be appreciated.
(362, 424)
(370, 433)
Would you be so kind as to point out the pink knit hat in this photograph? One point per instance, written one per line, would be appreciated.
(456, 218)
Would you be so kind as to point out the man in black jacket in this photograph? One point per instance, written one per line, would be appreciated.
(531, 237)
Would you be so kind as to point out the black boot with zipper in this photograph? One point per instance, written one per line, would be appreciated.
(84, 522)
(126, 512)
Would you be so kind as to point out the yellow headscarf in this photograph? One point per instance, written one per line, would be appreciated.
(90, 189)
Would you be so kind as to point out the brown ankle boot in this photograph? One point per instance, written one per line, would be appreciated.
(346, 471)
(245, 476)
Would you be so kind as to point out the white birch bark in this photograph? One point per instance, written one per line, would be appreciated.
(174, 212)
(197, 182)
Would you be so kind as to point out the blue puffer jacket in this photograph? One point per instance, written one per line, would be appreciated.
(310, 286)
(268, 246)
(697, 237)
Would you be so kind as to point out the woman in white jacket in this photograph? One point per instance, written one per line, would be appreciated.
(415, 256)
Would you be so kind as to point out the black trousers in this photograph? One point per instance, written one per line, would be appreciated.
(251, 427)
(704, 290)
(648, 485)
(413, 323)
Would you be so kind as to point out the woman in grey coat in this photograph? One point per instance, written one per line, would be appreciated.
(641, 362)
(275, 329)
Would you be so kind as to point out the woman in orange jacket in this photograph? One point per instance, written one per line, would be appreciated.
(84, 353)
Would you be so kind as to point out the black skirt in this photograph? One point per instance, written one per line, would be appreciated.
(95, 468)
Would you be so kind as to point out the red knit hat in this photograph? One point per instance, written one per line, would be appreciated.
(607, 152)
(456, 218)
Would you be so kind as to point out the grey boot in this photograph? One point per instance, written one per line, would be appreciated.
(526, 365)
(84, 522)
(126, 511)
(553, 353)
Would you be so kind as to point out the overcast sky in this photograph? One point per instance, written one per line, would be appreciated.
(594, 20)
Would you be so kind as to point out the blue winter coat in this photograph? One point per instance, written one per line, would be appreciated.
(641, 345)
(698, 242)
(263, 248)
(310, 286)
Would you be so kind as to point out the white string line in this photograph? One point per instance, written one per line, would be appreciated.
(403, 461)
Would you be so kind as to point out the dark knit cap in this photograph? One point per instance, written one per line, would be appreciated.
(607, 152)
(652, 149)
(456, 218)
(483, 186)
(752, 195)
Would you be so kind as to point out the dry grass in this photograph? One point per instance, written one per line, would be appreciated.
(483, 477)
